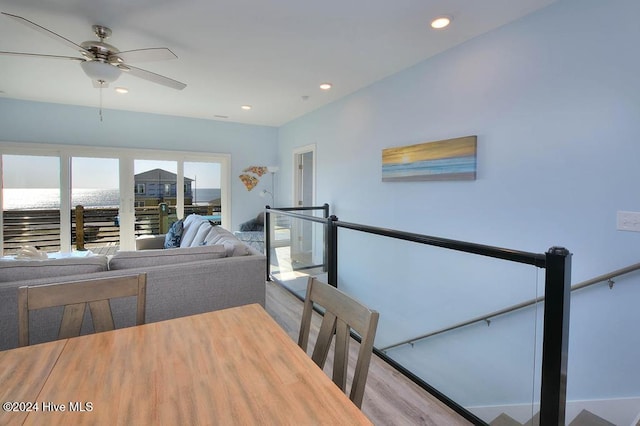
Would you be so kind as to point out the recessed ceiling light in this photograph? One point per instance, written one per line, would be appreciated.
(246, 107)
(440, 22)
(122, 90)
(326, 86)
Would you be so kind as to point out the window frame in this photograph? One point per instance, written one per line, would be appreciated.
(140, 188)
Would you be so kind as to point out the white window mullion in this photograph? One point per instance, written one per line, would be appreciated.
(1, 210)
(225, 183)
(65, 203)
(127, 210)
(180, 190)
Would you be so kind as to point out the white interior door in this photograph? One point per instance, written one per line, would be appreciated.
(304, 196)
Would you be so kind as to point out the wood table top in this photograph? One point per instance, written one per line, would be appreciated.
(234, 366)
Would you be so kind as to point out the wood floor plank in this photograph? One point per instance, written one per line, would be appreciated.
(390, 398)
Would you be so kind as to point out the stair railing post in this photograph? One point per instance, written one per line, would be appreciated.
(332, 250)
(555, 344)
(325, 255)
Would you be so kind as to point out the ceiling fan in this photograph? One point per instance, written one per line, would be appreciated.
(102, 62)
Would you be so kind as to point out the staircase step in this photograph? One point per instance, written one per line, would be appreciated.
(534, 421)
(505, 420)
(587, 418)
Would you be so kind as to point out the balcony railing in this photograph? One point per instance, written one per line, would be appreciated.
(90, 226)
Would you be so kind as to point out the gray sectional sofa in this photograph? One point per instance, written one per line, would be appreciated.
(180, 281)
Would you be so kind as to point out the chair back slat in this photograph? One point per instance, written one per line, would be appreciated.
(72, 317)
(101, 315)
(323, 342)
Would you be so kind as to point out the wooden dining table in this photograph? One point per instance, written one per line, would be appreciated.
(230, 367)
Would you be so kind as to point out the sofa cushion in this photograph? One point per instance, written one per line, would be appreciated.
(21, 270)
(174, 236)
(203, 231)
(146, 258)
(191, 225)
(148, 242)
(234, 247)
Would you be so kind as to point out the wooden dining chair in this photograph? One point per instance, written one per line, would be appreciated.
(74, 296)
(342, 313)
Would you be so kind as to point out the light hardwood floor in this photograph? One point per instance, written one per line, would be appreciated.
(389, 398)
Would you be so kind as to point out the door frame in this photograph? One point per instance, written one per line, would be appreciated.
(303, 234)
(298, 185)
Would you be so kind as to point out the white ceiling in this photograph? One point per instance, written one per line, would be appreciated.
(265, 53)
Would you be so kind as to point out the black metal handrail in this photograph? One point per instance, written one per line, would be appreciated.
(324, 208)
(535, 259)
(557, 264)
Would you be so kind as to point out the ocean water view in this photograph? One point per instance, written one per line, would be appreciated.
(49, 198)
(442, 166)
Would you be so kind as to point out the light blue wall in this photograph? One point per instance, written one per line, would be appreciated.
(554, 99)
(22, 121)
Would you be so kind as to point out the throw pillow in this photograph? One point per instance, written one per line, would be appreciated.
(251, 225)
(260, 218)
(173, 237)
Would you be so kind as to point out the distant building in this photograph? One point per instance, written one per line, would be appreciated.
(159, 186)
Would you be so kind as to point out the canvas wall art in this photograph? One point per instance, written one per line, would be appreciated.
(451, 159)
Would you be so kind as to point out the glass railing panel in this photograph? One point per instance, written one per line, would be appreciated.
(297, 250)
(490, 367)
(603, 373)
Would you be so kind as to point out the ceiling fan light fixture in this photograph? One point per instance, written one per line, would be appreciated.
(100, 71)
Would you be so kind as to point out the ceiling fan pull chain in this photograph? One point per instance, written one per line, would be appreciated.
(101, 102)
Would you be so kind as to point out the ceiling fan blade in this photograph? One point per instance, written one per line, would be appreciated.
(49, 33)
(143, 55)
(39, 55)
(153, 77)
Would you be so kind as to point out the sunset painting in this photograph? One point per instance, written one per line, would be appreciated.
(451, 159)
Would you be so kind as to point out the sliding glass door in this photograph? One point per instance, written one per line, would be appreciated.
(62, 198)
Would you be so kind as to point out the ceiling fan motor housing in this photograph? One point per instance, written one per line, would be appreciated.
(102, 62)
(101, 51)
